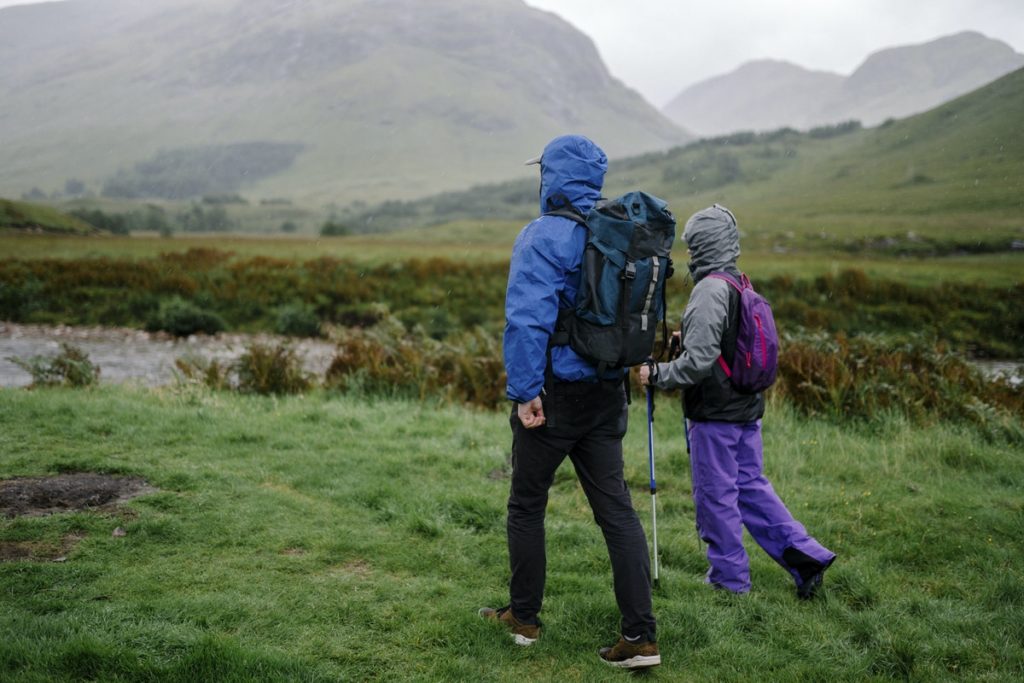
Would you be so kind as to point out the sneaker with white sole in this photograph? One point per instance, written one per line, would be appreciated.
(522, 634)
(631, 655)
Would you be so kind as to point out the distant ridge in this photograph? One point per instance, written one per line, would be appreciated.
(772, 93)
(891, 83)
(952, 176)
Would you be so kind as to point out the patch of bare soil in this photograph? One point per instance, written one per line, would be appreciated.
(38, 496)
(38, 551)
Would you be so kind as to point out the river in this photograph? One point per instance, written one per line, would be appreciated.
(125, 355)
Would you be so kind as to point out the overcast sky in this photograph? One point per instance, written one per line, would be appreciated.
(660, 47)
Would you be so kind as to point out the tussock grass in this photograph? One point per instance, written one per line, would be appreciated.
(340, 538)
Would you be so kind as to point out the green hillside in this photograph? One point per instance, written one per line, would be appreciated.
(26, 217)
(951, 179)
(320, 101)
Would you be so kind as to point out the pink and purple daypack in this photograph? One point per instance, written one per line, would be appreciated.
(756, 360)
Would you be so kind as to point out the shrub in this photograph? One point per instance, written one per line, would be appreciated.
(193, 171)
(271, 369)
(831, 376)
(211, 373)
(334, 229)
(183, 318)
(19, 297)
(116, 224)
(388, 359)
(867, 376)
(297, 320)
(70, 368)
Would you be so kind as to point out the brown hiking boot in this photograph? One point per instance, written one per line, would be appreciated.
(522, 634)
(627, 655)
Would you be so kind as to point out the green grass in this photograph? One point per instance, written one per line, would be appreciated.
(23, 216)
(331, 538)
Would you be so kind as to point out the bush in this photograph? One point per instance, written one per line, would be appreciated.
(19, 298)
(334, 229)
(69, 368)
(183, 318)
(868, 376)
(195, 171)
(116, 224)
(210, 373)
(271, 369)
(296, 320)
(390, 360)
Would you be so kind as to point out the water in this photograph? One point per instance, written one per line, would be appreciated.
(148, 358)
(125, 355)
(1014, 370)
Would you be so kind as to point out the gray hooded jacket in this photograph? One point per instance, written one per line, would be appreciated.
(709, 325)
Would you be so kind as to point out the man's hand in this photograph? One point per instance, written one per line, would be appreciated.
(645, 374)
(531, 414)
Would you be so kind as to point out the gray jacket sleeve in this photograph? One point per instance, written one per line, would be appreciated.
(703, 325)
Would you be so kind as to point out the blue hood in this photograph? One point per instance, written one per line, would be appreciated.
(572, 169)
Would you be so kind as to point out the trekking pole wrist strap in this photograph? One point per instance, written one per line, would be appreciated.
(653, 368)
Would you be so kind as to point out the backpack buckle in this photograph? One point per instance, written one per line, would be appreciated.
(630, 272)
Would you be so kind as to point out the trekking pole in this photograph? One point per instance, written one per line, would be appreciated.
(654, 486)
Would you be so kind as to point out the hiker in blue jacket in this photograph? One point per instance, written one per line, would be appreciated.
(724, 426)
(561, 406)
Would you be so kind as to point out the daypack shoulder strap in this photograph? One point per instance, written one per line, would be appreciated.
(728, 347)
(739, 286)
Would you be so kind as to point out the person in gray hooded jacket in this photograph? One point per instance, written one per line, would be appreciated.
(724, 426)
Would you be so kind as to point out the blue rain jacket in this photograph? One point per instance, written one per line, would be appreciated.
(545, 270)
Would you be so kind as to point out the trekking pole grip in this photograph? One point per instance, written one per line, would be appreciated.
(652, 373)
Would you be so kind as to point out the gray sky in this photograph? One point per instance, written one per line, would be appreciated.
(660, 47)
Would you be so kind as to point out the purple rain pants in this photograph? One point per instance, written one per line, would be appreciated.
(730, 492)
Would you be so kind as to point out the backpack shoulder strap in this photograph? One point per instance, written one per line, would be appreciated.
(571, 214)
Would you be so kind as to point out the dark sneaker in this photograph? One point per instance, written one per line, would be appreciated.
(809, 588)
(627, 655)
(522, 634)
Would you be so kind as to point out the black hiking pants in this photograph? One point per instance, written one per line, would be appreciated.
(585, 421)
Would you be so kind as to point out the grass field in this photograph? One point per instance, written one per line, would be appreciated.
(340, 538)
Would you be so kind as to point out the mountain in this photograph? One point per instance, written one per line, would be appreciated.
(907, 80)
(891, 83)
(759, 95)
(329, 100)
